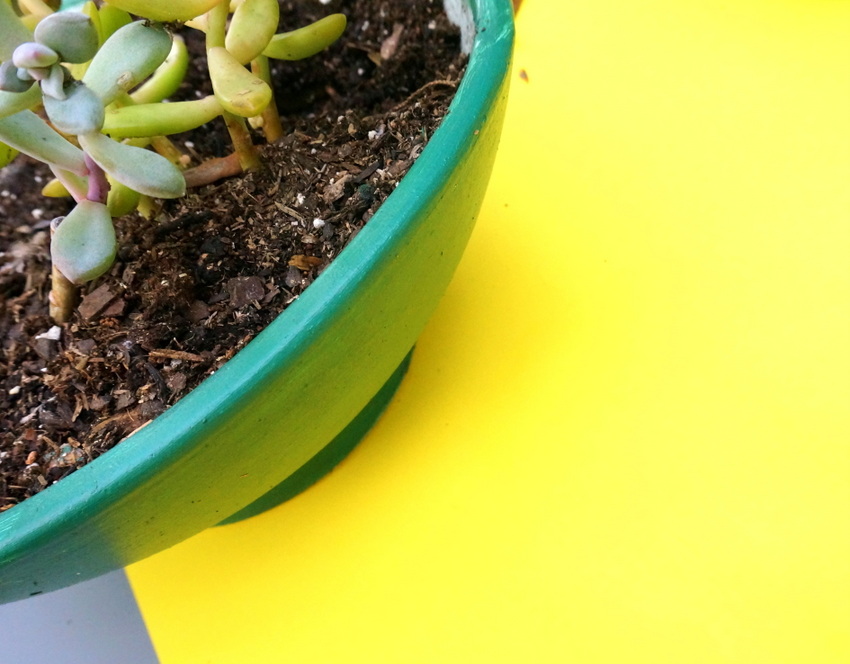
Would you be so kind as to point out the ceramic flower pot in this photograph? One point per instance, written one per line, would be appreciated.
(291, 404)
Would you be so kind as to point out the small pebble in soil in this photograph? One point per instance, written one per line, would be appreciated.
(245, 290)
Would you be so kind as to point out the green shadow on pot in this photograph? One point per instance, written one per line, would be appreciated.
(328, 459)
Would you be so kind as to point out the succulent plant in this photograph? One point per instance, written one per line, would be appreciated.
(74, 86)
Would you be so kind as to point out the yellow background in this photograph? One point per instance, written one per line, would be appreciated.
(625, 436)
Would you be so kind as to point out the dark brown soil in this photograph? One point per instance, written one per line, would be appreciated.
(201, 278)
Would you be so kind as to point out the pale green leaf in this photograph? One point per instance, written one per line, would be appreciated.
(121, 199)
(71, 34)
(165, 10)
(9, 80)
(28, 133)
(168, 76)
(144, 120)
(112, 18)
(81, 112)
(83, 246)
(128, 57)
(306, 41)
(12, 31)
(54, 84)
(253, 25)
(239, 91)
(7, 154)
(14, 102)
(138, 168)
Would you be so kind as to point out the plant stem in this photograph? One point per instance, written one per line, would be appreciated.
(242, 143)
(165, 146)
(62, 297)
(146, 206)
(236, 127)
(272, 128)
(212, 170)
(216, 24)
(98, 184)
(63, 294)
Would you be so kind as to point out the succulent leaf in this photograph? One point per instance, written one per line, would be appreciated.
(12, 31)
(90, 10)
(28, 133)
(200, 23)
(15, 102)
(54, 85)
(216, 25)
(7, 154)
(306, 41)
(138, 168)
(83, 246)
(81, 112)
(73, 184)
(35, 8)
(167, 77)
(129, 56)
(30, 55)
(253, 25)
(112, 18)
(30, 21)
(239, 91)
(70, 34)
(35, 73)
(55, 189)
(121, 200)
(9, 80)
(165, 10)
(144, 120)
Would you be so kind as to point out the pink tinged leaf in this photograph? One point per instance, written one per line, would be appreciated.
(31, 55)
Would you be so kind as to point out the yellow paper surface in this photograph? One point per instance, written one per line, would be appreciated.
(625, 435)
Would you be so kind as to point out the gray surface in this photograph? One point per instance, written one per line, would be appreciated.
(96, 622)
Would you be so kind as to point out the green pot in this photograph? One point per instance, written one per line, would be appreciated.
(291, 404)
